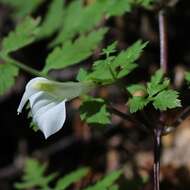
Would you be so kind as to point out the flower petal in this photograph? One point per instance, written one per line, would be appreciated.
(39, 100)
(51, 117)
(22, 103)
(47, 101)
(29, 91)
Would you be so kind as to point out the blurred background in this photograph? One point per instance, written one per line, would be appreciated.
(104, 149)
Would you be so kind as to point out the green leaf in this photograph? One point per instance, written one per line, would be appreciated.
(157, 77)
(187, 77)
(157, 83)
(158, 94)
(23, 7)
(73, 53)
(53, 18)
(153, 89)
(125, 61)
(114, 187)
(32, 125)
(131, 54)
(23, 35)
(105, 71)
(136, 87)
(145, 3)
(115, 7)
(87, 18)
(101, 72)
(34, 176)
(109, 49)
(94, 111)
(137, 103)
(71, 178)
(82, 75)
(167, 99)
(8, 73)
(106, 182)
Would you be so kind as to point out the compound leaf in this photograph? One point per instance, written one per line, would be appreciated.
(23, 35)
(74, 52)
(71, 178)
(34, 176)
(115, 67)
(53, 18)
(115, 7)
(94, 111)
(167, 99)
(23, 7)
(106, 182)
(87, 18)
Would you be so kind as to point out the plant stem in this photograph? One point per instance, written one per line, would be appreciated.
(22, 66)
(157, 147)
(28, 69)
(163, 41)
(164, 66)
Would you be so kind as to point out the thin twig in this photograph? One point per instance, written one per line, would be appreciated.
(128, 117)
(163, 41)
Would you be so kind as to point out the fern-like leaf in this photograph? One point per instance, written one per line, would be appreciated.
(116, 67)
(53, 18)
(23, 7)
(72, 53)
(87, 18)
(71, 178)
(34, 176)
(115, 7)
(106, 182)
(23, 35)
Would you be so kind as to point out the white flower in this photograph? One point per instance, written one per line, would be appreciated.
(47, 101)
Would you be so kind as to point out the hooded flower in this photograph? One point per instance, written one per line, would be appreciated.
(47, 101)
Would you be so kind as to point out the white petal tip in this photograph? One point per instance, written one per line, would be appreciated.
(46, 135)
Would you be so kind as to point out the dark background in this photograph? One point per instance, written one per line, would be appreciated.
(120, 144)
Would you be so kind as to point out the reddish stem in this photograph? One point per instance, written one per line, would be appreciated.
(163, 41)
